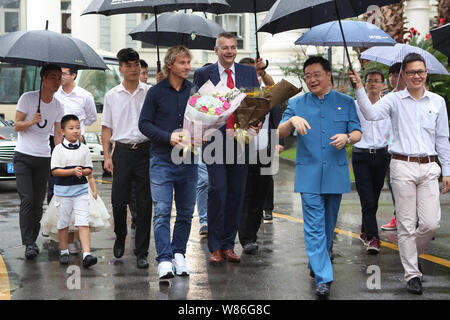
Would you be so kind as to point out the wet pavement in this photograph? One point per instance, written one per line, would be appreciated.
(278, 272)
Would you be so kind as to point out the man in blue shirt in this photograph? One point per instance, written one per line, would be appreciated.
(326, 121)
(161, 117)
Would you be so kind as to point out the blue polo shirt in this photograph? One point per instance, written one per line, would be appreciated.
(162, 114)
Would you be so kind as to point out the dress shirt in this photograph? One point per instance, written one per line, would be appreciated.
(162, 114)
(121, 112)
(224, 75)
(375, 133)
(79, 102)
(419, 127)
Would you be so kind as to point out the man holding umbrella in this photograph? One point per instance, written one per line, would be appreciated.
(32, 153)
(419, 133)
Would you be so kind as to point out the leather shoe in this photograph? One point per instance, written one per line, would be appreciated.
(230, 256)
(215, 257)
(30, 252)
(142, 263)
(414, 286)
(119, 248)
(250, 248)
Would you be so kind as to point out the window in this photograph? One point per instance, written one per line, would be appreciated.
(15, 80)
(232, 23)
(66, 17)
(9, 16)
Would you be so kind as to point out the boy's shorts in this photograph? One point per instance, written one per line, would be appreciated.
(80, 207)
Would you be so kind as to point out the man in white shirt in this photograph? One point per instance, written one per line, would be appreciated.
(130, 159)
(370, 160)
(419, 133)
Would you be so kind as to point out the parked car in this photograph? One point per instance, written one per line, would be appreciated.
(8, 138)
(94, 143)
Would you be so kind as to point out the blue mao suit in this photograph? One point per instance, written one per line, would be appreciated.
(321, 171)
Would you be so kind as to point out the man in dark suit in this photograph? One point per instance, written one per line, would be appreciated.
(227, 181)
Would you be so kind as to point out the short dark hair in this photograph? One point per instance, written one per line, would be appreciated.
(247, 60)
(127, 54)
(143, 63)
(67, 118)
(411, 57)
(48, 68)
(374, 71)
(318, 59)
(227, 35)
(395, 68)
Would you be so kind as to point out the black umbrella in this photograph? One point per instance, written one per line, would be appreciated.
(297, 14)
(190, 30)
(40, 47)
(110, 7)
(441, 39)
(241, 6)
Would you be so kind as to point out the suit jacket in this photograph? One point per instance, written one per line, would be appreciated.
(319, 167)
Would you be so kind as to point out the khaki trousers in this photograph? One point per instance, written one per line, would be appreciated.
(416, 191)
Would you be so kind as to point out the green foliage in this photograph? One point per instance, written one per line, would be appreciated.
(295, 67)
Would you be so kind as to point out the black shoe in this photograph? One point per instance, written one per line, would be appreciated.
(250, 248)
(268, 216)
(30, 252)
(414, 286)
(312, 274)
(89, 261)
(142, 263)
(119, 248)
(64, 259)
(35, 246)
(323, 290)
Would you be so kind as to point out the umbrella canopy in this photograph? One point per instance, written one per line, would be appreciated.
(358, 34)
(391, 55)
(190, 30)
(441, 39)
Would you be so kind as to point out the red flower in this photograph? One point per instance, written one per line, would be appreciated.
(428, 36)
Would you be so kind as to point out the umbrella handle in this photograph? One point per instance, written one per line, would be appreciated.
(267, 64)
(158, 66)
(42, 126)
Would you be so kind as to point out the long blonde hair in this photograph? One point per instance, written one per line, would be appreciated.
(172, 54)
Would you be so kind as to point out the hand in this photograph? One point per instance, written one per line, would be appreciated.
(300, 125)
(159, 77)
(446, 182)
(95, 194)
(354, 76)
(340, 140)
(280, 148)
(257, 128)
(36, 118)
(78, 172)
(108, 165)
(259, 65)
(176, 138)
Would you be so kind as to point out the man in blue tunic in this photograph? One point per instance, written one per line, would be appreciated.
(325, 121)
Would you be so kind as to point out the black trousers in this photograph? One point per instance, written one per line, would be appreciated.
(132, 165)
(268, 201)
(31, 179)
(51, 178)
(370, 170)
(255, 195)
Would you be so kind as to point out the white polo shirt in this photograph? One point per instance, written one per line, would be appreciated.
(34, 140)
(79, 102)
(121, 111)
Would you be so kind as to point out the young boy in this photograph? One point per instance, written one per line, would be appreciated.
(71, 163)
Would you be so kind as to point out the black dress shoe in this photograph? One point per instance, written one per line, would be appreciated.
(323, 290)
(35, 246)
(142, 263)
(250, 248)
(119, 248)
(414, 286)
(30, 252)
(89, 261)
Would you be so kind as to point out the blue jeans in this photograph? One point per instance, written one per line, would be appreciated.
(166, 180)
(202, 193)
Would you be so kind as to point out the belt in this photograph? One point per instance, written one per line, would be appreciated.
(356, 149)
(426, 159)
(133, 146)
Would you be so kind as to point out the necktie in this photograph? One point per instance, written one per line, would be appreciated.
(230, 84)
(73, 145)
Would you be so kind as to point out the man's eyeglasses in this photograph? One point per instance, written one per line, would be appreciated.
(412, 73)
(310, 76)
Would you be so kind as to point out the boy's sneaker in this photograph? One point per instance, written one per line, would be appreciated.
(89, 260)
(179, 264)
(391, 226)
(64, 259)
(363, 238)
(165, 270)
(268, 218)
(373, 246)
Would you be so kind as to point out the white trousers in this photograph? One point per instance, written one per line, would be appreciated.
(416, 191)
(78, 205)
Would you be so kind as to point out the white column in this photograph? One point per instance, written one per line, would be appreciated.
(38, 13)
(118, 32)
(417, 14)
(87, 27)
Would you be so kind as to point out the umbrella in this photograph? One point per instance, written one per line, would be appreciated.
(441, 39)
(240, 6)
(391, 55)
(296, 14)
(359, 34)
(110, 7)
(190, 30)
(40, 47)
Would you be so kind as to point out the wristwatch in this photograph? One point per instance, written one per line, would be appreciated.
(349, 139)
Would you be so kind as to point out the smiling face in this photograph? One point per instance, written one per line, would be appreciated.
(226, 51)
(415, 74)
(180, 67)
(317, 79)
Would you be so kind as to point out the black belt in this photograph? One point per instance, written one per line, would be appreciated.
(356, 149)
(133, 146)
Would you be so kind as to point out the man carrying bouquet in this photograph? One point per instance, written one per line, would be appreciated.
(161, 118)
(227, 181)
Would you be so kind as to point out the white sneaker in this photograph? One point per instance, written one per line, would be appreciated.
(179, 264)
(165, 270)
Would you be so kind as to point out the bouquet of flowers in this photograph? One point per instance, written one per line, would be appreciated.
(209, 108)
